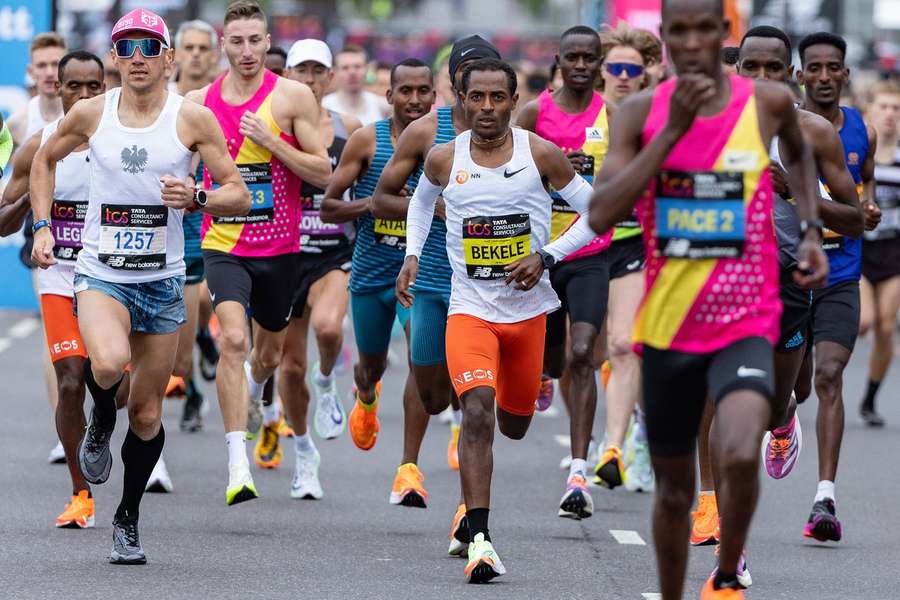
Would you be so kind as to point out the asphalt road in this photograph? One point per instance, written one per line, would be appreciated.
(353, 544)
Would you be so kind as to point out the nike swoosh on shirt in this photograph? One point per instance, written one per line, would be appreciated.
(507, 174)
(212, 297)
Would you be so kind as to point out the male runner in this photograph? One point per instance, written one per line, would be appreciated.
(351, 96)
(710, 311)
(835, 309)
(574, 119)
(428, 316)
(251, 261)
(80, 78)
(765, 54)
(130, 270)
(377, 258)
(276, 59)
(196, 54)
(322, 296)
(492, 179)
(880, 286)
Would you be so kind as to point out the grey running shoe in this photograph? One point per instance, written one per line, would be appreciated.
(192, 417)
(330, 418)
(94, 458)
(254, 406)
(126, 548)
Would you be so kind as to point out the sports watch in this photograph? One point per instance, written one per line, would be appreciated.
(548, 259)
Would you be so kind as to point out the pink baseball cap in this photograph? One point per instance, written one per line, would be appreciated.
(144, 20)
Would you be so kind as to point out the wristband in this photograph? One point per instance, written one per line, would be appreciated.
(40, 225)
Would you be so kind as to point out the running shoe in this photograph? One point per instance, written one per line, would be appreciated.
(254, 406)
(283, 429)
(57, 455)
(639, 472)
(94, 458)
(330, 418)
(79, 512)
(743, 571)
(159, 481)
(267, 454)
(240, 484)
(192, 415)
(446, 416)
(709, 592)
(364, 423)
(453, 448)
(593, 456)
(780, 449)
(176, 388)
(459, 533)
(209, 354)
(605, 374)
(576, 503)
(305, 485)
(705, 526)
(609, 471)
(126, 548)
(484, 564)
(545, 395)
(823, 524)
(408, 489)
(870, 417)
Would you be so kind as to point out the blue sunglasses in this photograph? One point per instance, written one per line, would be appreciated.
(150, 47)
(616, 69)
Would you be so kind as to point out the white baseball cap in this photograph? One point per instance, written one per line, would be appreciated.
(309, 49)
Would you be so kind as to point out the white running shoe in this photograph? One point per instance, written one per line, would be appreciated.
(446, 416)
(305, 485)
(639, 473)
(57, 455)
(593, 457)
(159, 481)
(240, 484)
(484, 564)
(330, 418)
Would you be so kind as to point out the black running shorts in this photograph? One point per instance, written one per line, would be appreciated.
(314, 267)
(676, 385)
(835, 314)
(795, 316)
(265, 285)
(880, 260)
(626, 257)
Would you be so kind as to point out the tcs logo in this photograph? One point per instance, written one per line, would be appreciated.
(63, 212)
(479, 229)
(118, 217)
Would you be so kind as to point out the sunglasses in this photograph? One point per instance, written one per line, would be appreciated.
(632, 70)
(150, 47)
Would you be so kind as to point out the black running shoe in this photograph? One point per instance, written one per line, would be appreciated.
(823, 524)
(209, 354)
(870, 417)
(94, 458)
(126, 548)
(191, 419)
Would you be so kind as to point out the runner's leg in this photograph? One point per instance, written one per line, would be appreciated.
(625, 381)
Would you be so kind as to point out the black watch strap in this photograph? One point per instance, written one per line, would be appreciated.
(547, 259)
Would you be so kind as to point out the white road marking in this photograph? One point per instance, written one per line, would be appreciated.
(651, 596)
(24, 328)
(562, 440)
(628, 537)
(4, 344)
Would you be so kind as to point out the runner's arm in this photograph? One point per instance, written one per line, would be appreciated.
(232, 198)
(17, 123)
(15, 203)
(354, 159)
(844, 215)
(387, 201)
(575, 191)
(527, 117)
(871, 212)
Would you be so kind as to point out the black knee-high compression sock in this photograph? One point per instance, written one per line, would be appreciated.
(139, 458)
(104, 399)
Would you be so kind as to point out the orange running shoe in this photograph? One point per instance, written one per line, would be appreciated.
(453, 448)
(459, 533)
(705, 528)
(408, 489)
(175, 387)
(282, 427)
(710, 593)
(610, 469)
(605, 374)
(364, 423)
(79, 513)
(268, 453)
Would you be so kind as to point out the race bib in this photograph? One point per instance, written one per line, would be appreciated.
(491, 243)
(561, 216)
(700, 215)
(888, 199)
(258, 177)
(67, 220)
(390, 233)
(313, 232)
(133, 238)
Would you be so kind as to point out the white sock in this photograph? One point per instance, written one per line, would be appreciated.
(237, 447)
(254, 388)
(578, 466)
(321, 379)
(825, 490)
(457, 417)
(271, 414)
(303, 444)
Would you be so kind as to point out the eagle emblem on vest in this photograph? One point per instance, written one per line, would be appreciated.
(134, 160)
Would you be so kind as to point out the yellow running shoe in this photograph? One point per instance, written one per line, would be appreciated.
(459, 533)
(267, 453)
(610, 472)
(79, 512)
(605, 374)
(705, 526)
(408, 489)
(364, 423)
(283, 429)
(240, 484)
(453, 448)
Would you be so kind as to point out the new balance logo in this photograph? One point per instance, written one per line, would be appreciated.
(115, 261)
(482, 273)
(677, 248)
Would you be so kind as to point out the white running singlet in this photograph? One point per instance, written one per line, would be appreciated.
(130, 236)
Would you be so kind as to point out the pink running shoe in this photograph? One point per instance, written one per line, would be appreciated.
(781, 448)
(545, 396)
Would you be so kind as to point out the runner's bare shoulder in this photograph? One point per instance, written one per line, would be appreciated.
(84, 116)
(439, 161)
(197, 96)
